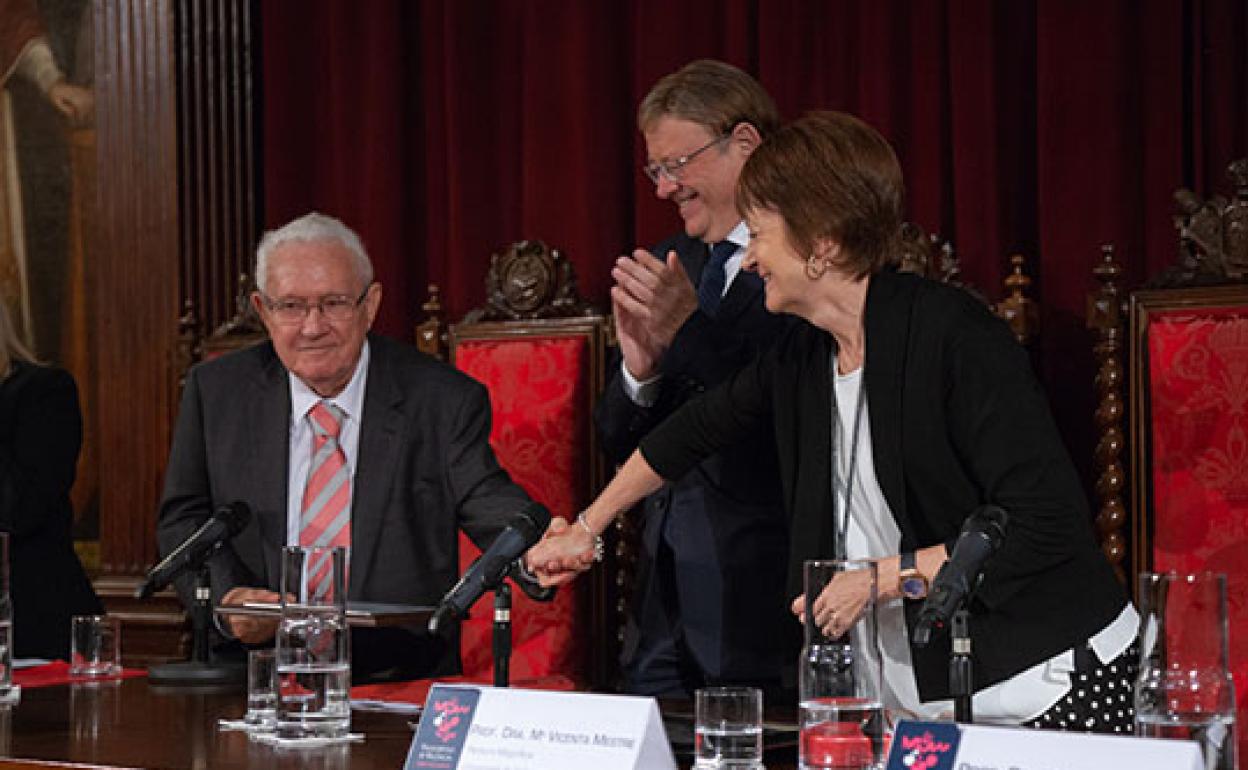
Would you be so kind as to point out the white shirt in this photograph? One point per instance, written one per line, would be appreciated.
(872, 533)
(302, 399)
(647, 392)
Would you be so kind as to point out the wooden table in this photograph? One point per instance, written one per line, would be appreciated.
(129, 723)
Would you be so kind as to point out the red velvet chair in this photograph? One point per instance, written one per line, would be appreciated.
(540, 351)
(1186, 435)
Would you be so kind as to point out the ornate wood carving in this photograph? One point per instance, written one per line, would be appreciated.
(430, 334)
(932, 257)
(531, 290)
(530, 280)
(1213, 250)
(1105, 317)
(1017, 309)
(239, 330)
(1213, 236)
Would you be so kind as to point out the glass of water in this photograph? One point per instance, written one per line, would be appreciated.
(6, 622)
(1184, 688)
(313, 645)
(840, 714)
(261, 690)
(728, 728)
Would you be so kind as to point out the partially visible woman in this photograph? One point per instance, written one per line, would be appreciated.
(40, 435)
(899, 409)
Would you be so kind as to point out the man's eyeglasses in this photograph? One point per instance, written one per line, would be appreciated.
(673, 170)
(333, 307)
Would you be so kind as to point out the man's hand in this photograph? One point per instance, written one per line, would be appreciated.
(251, 629)
(564, 552)
(651, 300)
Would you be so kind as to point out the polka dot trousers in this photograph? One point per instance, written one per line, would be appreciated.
(1101, 697)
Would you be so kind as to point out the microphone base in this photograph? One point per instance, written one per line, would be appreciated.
(219, 677)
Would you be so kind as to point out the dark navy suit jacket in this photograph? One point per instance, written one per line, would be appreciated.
(725, 516)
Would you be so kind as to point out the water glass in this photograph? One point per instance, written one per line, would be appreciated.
(261, 690)
(1185, 689)
(313, 645)
(6, 622)
(840, 712)
(728, 728)
(94, 646)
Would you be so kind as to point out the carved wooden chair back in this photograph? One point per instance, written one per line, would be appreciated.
(540, 350)
(1172, 455)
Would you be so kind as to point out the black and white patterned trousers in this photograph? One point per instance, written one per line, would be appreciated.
(1101, 697)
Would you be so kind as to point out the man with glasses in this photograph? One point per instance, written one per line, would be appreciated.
(334, 436)
(709, 606)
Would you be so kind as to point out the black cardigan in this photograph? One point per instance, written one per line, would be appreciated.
(957, 420)
(40, 435)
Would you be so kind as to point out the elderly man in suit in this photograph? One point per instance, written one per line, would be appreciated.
(710, 596)
(411, 464)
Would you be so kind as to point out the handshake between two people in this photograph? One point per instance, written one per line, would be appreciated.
(565, 551)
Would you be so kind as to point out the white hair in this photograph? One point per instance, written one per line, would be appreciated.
(313, 227)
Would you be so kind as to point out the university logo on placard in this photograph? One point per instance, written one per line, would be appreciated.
(443, 728)
(924, 746)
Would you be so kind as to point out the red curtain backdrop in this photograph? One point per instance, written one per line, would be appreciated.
(444, 129)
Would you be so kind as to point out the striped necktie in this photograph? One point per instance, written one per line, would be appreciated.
(326, 516)
(714, 277)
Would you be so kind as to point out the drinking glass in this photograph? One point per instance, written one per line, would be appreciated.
(1185, 689)
(261, 689)
(94, 646)
(6, 622)
(728, 728)
(840, 713)
(313, 645)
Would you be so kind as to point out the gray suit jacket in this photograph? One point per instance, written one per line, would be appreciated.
(425, 470)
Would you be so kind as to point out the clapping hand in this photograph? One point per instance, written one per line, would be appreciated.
(651, 300)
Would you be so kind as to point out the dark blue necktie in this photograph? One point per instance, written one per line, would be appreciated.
(711, 286)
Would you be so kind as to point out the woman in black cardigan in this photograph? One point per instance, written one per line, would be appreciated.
(939, 413)
(40, 435)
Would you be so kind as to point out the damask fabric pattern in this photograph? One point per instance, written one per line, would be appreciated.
(1198, 396)
(539, 396)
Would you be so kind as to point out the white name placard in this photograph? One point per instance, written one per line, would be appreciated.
(466, 727)
(946, 746)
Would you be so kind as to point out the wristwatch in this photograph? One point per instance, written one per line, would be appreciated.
(910, 582)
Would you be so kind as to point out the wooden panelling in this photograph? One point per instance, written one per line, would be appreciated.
(218, 202)
(178, 218)
(136, 275)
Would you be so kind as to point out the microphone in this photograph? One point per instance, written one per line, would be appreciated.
(982, 534)
(227, 522)
(522, 531)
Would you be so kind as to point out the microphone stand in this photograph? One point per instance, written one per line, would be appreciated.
(200, 671)
(502, 634)
(961, 675)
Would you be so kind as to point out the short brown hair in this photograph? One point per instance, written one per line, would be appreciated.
(712, 94)
(829, 175)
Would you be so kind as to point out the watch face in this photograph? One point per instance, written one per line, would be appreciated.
(913, 587)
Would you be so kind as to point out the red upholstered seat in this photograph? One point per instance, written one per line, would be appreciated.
(539, 350)
(1177, 471)
(540, 390)
(1197, 424)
